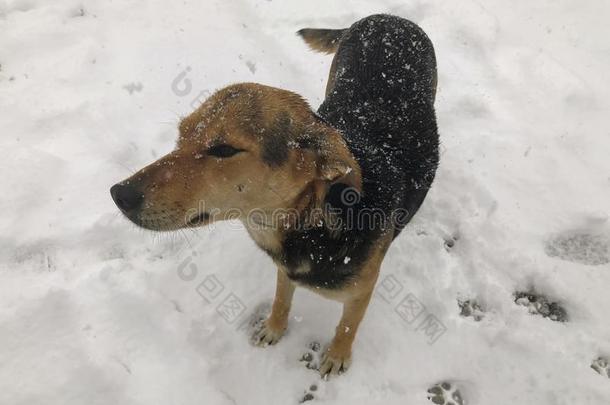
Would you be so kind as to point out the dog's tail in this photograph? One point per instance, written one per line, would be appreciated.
(322, 40)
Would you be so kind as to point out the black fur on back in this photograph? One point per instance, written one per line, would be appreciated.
(383, 103)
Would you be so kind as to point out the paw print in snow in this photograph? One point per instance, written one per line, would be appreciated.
(445, 394)
(471, 308)
(311, 358)
(450, 242)
(309, 395)
(584, 248)
(602, 366)
(540, 305)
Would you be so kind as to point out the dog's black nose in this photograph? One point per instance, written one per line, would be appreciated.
(126, 197)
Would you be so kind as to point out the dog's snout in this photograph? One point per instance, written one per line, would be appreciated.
(126, 197)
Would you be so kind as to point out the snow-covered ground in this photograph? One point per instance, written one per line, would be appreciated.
(95, 311)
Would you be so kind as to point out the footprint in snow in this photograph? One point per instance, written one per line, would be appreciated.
(579, 247)
(133, 87)
(311, 357)
(540, 305)
(309, 395)
(450, 242)
(602, 366)
(471, 309)
(445, 393)
(78, 12)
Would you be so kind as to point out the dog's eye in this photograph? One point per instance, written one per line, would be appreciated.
(223, 151)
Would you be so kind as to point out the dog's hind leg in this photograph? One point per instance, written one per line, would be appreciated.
(275, 325)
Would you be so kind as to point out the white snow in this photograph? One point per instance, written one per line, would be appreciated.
(95, 311)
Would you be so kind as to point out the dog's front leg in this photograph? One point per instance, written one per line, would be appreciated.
(338, 356)
(275, 325)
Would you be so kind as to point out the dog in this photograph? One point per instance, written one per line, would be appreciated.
(345, 179)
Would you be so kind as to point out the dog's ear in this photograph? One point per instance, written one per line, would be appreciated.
(337, 165)
(324, 146)
(332, 162)
(320, 148)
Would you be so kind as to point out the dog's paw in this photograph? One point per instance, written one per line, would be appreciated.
(445, 394)
(334, 362)
(331, 362)
(266, 335)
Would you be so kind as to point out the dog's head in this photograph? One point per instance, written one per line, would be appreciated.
(248, 147)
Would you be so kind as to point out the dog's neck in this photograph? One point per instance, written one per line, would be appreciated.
(268, 227)
(268, 238)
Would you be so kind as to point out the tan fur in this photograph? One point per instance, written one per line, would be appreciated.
(326, 41)
(355, 298)
(185, 182)
(322, 40)
(330, 84)
(283, 299)
(276, 323)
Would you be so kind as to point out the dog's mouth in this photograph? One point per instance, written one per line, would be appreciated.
(199, 219)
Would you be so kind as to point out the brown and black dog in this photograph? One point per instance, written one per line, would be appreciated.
(330, 190)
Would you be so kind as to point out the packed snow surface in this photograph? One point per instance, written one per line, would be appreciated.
(95, 311)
